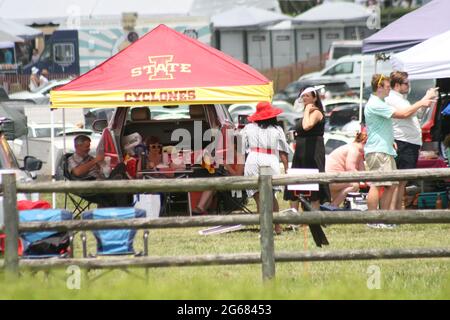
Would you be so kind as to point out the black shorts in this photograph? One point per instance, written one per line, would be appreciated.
(407, 155)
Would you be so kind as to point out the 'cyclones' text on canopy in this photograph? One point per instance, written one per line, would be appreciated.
(156, 96)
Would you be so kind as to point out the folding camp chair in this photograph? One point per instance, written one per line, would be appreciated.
(114, 242)
(80, 203)
(46, 244)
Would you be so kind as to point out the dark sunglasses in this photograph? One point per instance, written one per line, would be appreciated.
(155, 146)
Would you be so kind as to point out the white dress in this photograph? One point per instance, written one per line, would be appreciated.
(272, 138)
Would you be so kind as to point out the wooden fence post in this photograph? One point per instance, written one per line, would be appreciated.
(266, 223)
(11, 224)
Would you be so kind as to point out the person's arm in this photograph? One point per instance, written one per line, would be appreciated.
(311, 117)
(426, 101)
(84, 168)
(239, 171)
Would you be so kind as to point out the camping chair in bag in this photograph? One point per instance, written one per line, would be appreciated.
(46, 244)
(79, 202)
(118, 241)
(232, 200)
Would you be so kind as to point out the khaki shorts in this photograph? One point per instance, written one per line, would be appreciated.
(382, 162)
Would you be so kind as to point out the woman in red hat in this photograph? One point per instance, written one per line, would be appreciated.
(265, 143)
(310, 147)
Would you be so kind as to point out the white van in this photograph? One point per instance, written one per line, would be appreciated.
(348, 69)
(339, 49)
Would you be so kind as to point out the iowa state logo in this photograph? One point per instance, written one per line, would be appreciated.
(161, 68)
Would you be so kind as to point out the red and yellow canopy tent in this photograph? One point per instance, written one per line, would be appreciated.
(164, 67)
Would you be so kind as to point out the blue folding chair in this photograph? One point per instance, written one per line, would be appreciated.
(46, 244)
(115, 242)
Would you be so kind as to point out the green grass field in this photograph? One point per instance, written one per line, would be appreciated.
(399, 279)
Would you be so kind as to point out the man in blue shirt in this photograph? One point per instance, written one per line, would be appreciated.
(380, 148)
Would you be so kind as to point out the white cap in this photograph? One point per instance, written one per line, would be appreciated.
(34, 70)
(311, 89)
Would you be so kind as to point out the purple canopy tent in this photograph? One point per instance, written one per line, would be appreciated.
(411, 29)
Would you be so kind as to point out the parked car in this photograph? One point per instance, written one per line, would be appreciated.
(332, 89)
(39, 145)
(183, 127)
(330, 104)
(336, 139)
(348, 69)
(341, 48)
(3, 94)
(9, 162)
(42, 94)
(43, 130)
(342, 115)
(436, 126)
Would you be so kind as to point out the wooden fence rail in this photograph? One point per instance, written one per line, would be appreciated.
(237, 259)
(287, 217)
(226, 183)
(263, 183)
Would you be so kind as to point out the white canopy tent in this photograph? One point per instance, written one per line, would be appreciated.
(16, 29)
(7, 40)
(332, 12)
(247, 17)
(427, 60)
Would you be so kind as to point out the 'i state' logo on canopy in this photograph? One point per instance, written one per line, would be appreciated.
(161, 68)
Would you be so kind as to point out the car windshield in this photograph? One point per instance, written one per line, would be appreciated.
(345, 51)
(330, 107)
(332, 144)
(45, 132)
(337, 87)
(166, 112)
(7, 158)
(293, 87)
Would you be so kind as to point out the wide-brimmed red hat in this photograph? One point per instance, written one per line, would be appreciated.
(264, 111)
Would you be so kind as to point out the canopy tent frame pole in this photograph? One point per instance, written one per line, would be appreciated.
(361, 88)
(64, 130)
(52, 152)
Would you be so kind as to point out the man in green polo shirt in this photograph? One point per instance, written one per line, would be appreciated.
(380, 149)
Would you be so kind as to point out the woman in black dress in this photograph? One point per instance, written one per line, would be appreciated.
(310, 147)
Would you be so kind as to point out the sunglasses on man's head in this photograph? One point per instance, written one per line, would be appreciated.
(381, 79)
